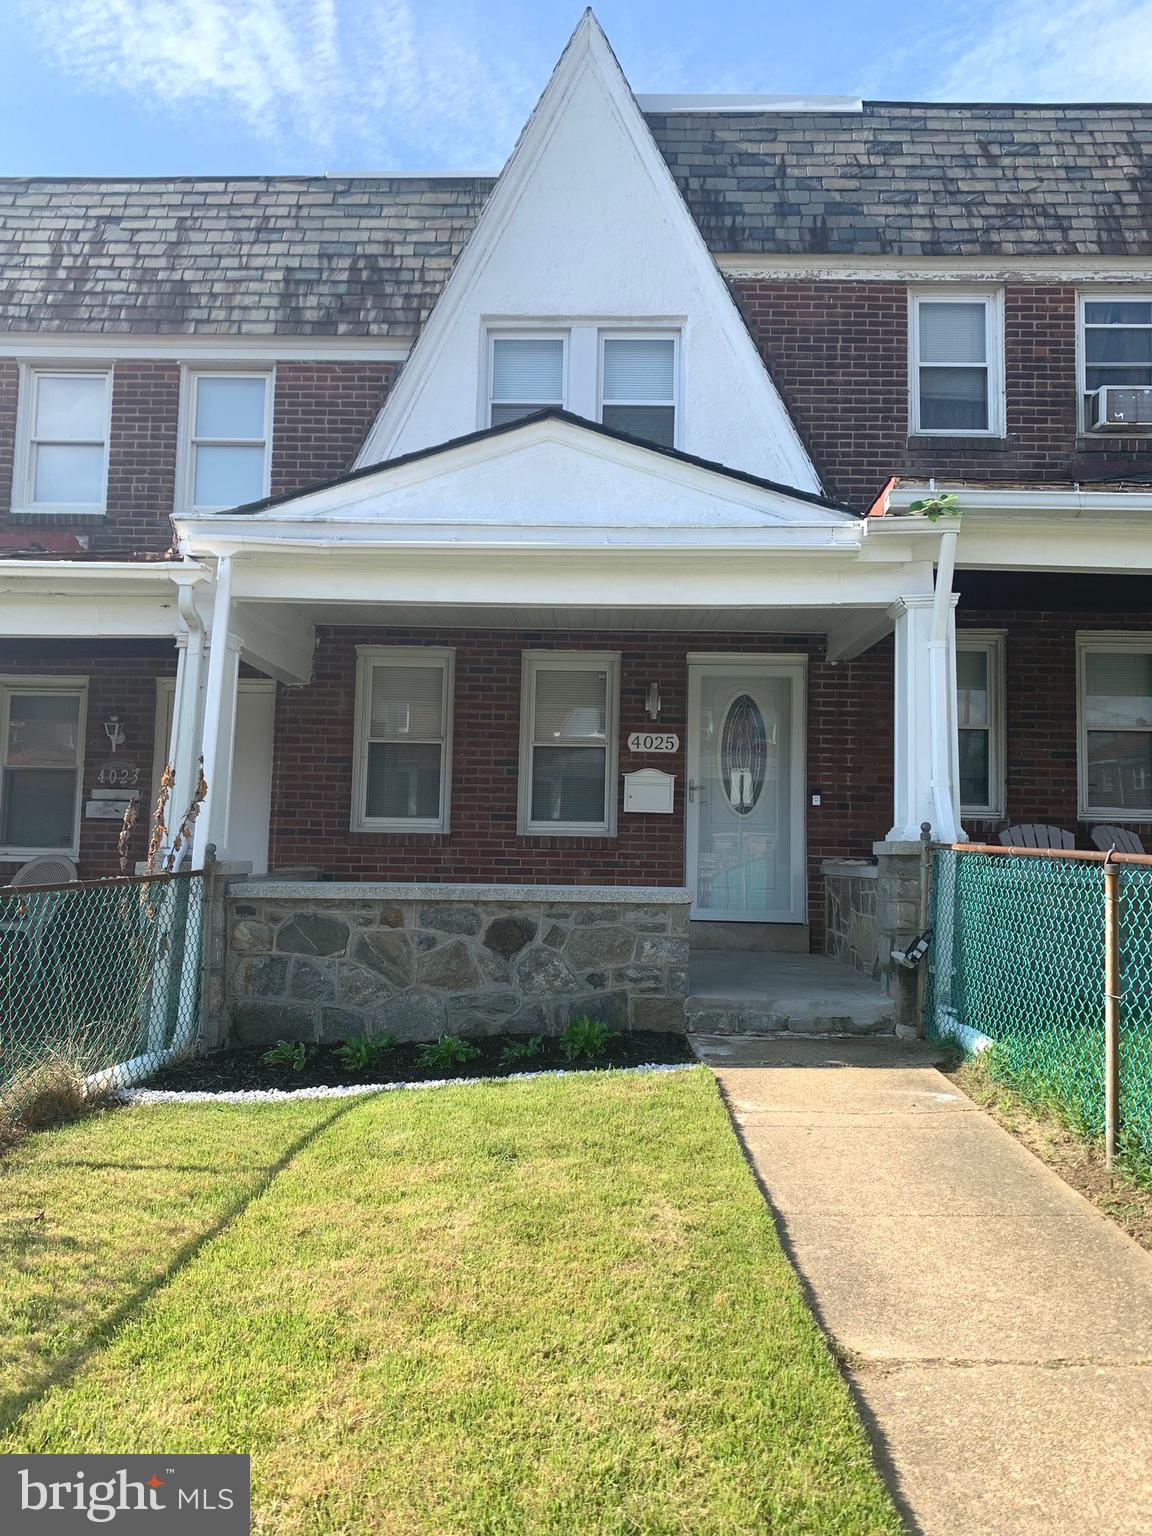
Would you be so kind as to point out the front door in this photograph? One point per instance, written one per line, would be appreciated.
(745, 808)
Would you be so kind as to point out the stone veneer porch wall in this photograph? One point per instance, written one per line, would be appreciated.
(850, 914)
(318, 961)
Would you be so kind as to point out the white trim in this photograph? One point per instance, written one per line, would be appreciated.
(110, 347)
(190, 377)
(23, 501)
(77, 687)
(794, 667)
(532, 662)
(664, 106)
(990, 643)
(367, 658)
(993, 302)
(1109, 642)
(917, 269)
(1102, 296)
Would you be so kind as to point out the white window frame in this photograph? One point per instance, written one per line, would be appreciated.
(990, 642)
(368, 657)
(24, 468)
(583, 358)
(76, 687)
(993, 302)
(568, 661)
(1100, 296)
(188, 442)
(522, 333)
(638, 333)
(1109, 642)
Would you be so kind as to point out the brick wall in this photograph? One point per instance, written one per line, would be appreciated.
(1040, 711)
(121, 681)
(849, 762)
(322, 412)
(839, 354)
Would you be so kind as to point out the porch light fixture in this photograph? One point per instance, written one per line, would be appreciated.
(114, 732)
(652, 702)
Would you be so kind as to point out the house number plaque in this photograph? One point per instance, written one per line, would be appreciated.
(653, 741)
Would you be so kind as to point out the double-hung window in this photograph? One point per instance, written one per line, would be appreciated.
(568, 720)
(1115, 696)
(526, 374)
(227, 438)
(638, 387)
(404, 739)
(956, 364)
(1117, 342)
(980, 722)
(62, 451)
(40, 765)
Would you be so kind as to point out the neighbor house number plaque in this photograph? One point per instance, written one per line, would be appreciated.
(653, 741)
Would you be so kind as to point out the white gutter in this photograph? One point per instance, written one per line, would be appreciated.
(941, 689)
(1073, 502)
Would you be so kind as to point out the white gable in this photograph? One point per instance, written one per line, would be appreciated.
(550, 481)
(587, 224)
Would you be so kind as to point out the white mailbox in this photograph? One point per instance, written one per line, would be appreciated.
(649, 791)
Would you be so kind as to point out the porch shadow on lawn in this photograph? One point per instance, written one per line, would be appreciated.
(31, 1246)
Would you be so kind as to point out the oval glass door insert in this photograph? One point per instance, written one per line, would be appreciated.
(743, 754)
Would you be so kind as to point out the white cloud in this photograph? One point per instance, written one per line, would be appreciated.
(388, 83)
(1037, 50)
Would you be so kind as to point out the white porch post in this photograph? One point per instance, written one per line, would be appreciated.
(219, 721)
(184, 742)
(926, 781)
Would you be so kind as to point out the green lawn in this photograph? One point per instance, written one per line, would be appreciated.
(553, 1306)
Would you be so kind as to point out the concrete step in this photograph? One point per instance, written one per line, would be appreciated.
(770, 994)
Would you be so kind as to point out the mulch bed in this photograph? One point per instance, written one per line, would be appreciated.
(243, 1069)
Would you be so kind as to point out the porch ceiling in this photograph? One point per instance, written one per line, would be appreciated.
(719, 620)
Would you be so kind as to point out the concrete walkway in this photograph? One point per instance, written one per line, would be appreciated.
(996, 1329)
(763, 992)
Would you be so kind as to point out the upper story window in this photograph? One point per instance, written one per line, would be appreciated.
(62, 444)
(625, 377)
(403, 739)
(227, 448)
(956, 364)
(526, 374)
(1116, 354)
(41, 753)
(638, 387)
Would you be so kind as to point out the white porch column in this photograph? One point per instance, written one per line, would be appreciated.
(219, 721)
(183, 749)
(926, 781)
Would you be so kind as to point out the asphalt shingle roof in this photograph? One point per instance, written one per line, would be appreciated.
(366, 256)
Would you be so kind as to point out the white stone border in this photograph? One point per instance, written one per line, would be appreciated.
(355, 1090)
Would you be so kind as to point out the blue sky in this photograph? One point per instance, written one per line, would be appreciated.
(116, 87)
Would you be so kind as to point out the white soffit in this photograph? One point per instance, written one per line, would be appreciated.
(587, 224)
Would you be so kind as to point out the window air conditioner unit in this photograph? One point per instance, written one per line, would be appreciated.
(1121, 408)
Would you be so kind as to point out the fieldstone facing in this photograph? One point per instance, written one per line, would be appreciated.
(320, 961)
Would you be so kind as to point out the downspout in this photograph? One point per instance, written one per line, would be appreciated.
(939, 671)
(185, 755)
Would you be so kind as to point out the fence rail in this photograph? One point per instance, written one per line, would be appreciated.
(1046, 956)
(102, 975)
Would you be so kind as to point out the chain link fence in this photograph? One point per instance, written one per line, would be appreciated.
(101, 978)
(1017, 967)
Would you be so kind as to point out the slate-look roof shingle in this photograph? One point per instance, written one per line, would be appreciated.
(366, 256)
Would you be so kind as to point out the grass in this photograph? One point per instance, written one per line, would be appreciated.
(502, 1309)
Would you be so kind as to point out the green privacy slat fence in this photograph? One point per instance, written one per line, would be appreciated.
(1017, 958)
(104, 974)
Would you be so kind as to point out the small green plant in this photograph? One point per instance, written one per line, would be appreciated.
(289, 1054)
(448, 1051)
(935, 507)
(364, 1051)
(522, 1050)
(586, 1037)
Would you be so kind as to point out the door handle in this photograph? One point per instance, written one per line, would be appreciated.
(694, 789)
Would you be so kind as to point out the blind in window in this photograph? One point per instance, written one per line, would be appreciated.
(953, 333)
(1119, 690)
(528, 370)
(570, 706)
(407, 703)
(639, 370)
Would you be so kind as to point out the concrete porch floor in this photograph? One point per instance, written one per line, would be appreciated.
(768, 993)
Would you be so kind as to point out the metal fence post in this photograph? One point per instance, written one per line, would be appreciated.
(1111, 1007)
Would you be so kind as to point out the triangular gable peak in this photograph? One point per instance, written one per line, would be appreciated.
(586, 226)
(550, 477)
